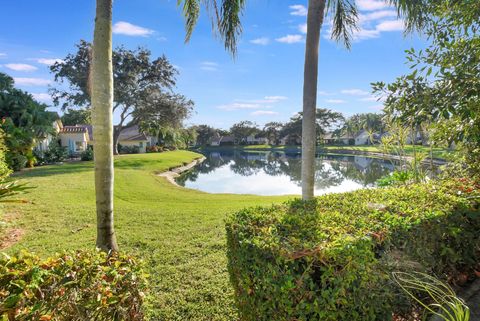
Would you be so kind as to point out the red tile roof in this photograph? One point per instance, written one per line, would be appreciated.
(73, 129)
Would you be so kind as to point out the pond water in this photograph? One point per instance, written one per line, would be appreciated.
(278, 173)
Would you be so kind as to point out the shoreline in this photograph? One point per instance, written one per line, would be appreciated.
(175, 172)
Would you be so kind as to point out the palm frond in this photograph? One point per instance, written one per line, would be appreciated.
(412, 12)
(345, 20)
(225, 18)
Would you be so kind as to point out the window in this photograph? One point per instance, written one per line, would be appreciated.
(140, 144)
(79, 146)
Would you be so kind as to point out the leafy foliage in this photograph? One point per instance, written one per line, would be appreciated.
(330, 258)
(71, 286)
(443, 85)
(87, 155)
(55, 153)
(24, 121)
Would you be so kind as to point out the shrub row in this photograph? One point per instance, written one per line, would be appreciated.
(72, 286)
(331, 258)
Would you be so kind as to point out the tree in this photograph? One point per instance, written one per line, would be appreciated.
(205, 134)
(443, 86)
(244, 129)
(102, 115)
(24, 121)
(72, 117)
(102, 98)
(345, 20)
(139, 81)
(272, 131)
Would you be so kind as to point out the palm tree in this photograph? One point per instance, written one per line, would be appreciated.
(345, 21)
(227, 22)
(102, 105)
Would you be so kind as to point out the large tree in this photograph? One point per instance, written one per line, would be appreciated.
(272, 131)
(243, 129)
(138, 81)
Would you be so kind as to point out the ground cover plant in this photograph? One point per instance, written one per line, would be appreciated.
(331, 258)
(179, 233)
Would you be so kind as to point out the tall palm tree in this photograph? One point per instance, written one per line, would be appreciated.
(226, 22)
(345, 21)
(102, 105)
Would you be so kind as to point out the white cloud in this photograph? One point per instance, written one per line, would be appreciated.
(391, 25)
(384, 26)
(162, 38)
(368, 99)
(298, 10)
(238, 106)
(275, 99)
(42, 97)
(376, 15)
(264, 103)
(371, 5)
(261, 41)
(3, 55)
(303, 28)
(128, 29)
(49, 61)
(21, 67)
(324, 93)
(335, 101)
(291, 39)
(209, 66)
(263, 113)
(354, 92)
(32, 81)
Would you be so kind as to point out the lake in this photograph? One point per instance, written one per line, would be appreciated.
(278, 173)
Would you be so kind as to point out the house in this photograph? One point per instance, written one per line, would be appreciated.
(253, 140)
(133, 136)
(44, 142)
(75, 138)
(291, 140)
(362, 138)
(227, 140)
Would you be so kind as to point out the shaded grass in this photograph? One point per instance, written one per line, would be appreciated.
(178, 232)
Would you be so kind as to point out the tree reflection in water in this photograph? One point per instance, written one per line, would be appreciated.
(230, 168)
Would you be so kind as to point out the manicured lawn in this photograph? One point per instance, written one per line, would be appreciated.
(178, 232)
(409, 149)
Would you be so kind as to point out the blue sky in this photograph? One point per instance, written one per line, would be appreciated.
(264, 82)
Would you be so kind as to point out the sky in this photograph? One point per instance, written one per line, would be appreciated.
(262, 83)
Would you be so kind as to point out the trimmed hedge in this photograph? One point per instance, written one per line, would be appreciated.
(331, 258)
(71, 286)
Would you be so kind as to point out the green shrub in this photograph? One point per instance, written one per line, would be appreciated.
(87, 155)
(128, 149)
(331, 258)
(55, 153)
(71, 286)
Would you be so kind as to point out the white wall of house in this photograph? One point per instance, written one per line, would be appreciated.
(141, 144)
(75, 142)
(362, 138)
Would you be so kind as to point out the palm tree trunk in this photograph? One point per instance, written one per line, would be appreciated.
(316, 10)
(102, 106)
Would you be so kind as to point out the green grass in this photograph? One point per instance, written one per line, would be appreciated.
(438, 152)
(178, 232)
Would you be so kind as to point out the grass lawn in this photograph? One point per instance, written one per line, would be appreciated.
(438, 152)
(178, 232)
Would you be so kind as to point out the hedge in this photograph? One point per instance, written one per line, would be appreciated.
(331, 258)
(85, 285)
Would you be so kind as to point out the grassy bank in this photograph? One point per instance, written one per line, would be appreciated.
(438, 152)
(178, 232)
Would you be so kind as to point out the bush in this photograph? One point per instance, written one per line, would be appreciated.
(128, 149)
(331, 258)
(72, 286)
(55, 153)
(87, 155)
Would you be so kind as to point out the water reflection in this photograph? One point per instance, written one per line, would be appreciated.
(278, 173)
